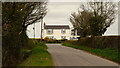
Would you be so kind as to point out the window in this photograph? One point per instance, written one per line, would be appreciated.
(49, 31)
(63, 31)
(72, 32)
(63, 37)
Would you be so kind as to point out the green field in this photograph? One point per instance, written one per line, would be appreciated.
(107, 53)
(39, 57)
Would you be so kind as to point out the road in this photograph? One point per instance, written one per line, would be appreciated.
(66, 56)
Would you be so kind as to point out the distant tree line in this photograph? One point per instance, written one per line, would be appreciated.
(16, 17)
(93, 18)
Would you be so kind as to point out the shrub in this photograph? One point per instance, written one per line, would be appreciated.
(41, 44)
(47, 40)
(63, 39)
(98, 42)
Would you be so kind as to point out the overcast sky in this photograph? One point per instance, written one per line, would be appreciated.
(59, 13)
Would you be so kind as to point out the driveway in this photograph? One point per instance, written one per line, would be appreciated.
(66, 56)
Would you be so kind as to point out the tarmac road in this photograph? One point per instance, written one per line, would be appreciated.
(67, 56)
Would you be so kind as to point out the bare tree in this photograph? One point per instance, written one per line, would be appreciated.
(99, 16)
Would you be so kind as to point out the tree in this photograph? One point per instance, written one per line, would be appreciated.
(80, 22)
(99, 16)
(24, 13)
(16, 17)
(97, 26)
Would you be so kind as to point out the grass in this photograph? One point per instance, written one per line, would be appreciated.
(39, 56)
(107, 53)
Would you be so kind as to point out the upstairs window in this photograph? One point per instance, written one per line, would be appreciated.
(49, 31)
(63, 31)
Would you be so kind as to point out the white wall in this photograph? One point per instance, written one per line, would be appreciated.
(57, 33)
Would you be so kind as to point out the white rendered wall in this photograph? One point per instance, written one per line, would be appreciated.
(57, 33)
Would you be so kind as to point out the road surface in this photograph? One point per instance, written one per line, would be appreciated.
(66, 56)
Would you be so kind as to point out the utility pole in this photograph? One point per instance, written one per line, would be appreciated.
(41, 27)
(34, 31)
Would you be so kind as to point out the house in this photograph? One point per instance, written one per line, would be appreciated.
(59, 32)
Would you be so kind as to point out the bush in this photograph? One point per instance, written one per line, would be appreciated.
(41, 44)
(98, 42)
(52, 40)
(63, 39)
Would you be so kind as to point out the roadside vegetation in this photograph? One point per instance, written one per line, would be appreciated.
(16, 17)
(39, 56)
(91, 21)
(47, 40)
(108, 53)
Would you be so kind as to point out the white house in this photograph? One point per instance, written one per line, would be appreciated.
(59, 32)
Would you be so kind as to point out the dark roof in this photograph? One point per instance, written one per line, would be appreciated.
(57, 27)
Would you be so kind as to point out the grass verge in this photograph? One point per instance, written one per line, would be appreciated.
(107, 53)
(39, 56)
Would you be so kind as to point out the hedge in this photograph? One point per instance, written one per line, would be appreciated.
(99, 42)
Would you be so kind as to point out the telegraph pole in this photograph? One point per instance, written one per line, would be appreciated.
(34, 31)
(41, 27)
